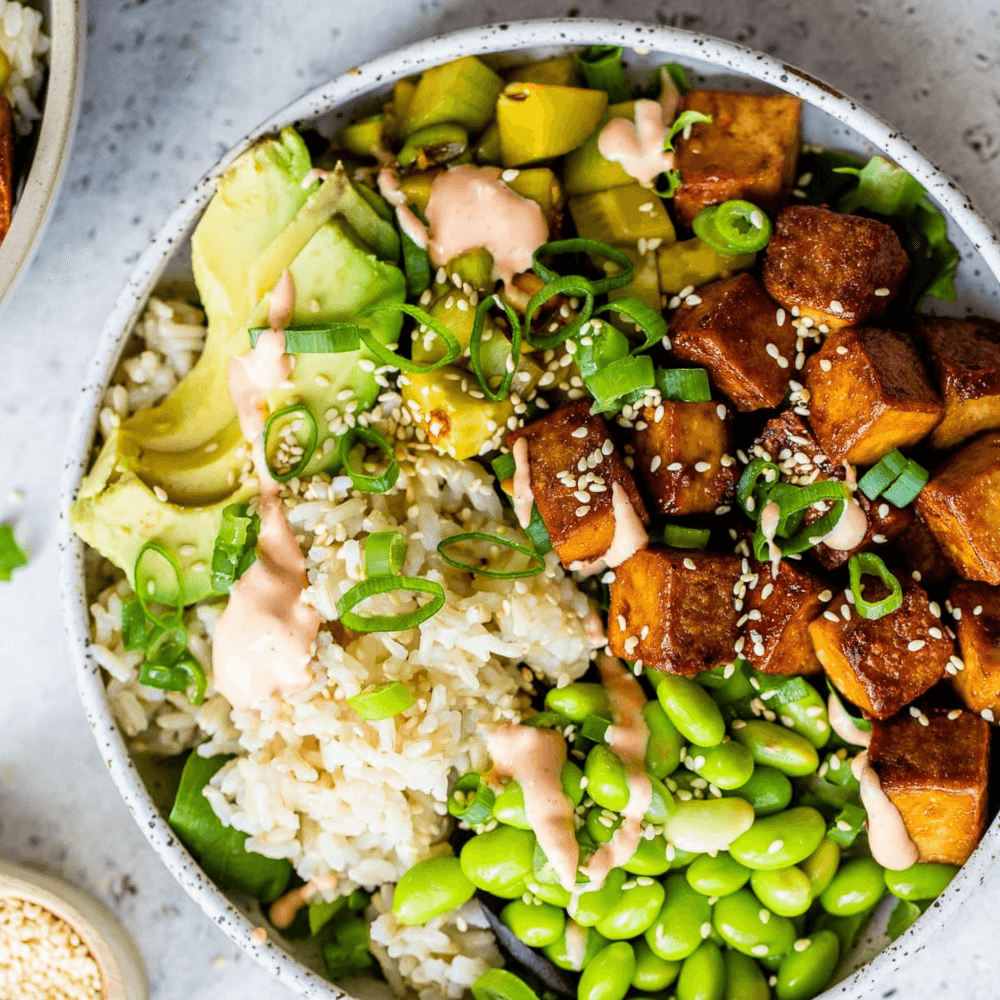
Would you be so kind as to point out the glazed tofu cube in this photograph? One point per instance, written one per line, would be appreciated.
(6, 166)
(839, 270)
(921, 552)
(869, 394)
(791, 445)
(674, 610)
(978, 682)
(570, 453)
(733, 332)
(960, 507)
(965, 359)
(884, 664)
(936, 775)
(749, 150)
(779, 611)
(682, 456)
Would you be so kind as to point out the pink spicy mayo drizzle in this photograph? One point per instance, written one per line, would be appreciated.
(849, 532)
(522, 498)
(471, 207)
(285, 909)
(630, 536)
(770, 517)
(627, 738)
(844, 726)
(263, 639)
(388, 185)
(638, 145)
(888, 838)
(534, 758)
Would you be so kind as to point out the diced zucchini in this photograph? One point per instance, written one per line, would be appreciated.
(541, 185)
(464, 91)
(433, 144)
(644, 286)
(474, 267)
(417, 188)
(622, 215)
(585, 170)
(363, 137)
(691, 262)
(488, 147)
(557, 72)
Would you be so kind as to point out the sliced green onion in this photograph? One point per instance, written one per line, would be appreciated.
(881, 476)
(316, 338)
(667, 183)
(537, 533)
(684, 385)
(499, 984)
(601, 345)
(416, 266)
(547, 720)
(780, 690)
(481, 536)
(571, 285)
(384, 481)
(382, 701)
(846, 826)
(621, 382)
(385, 553)
(387, 585)
(905, 489)
(601, 66)
(677, 536)
(475, 343)
(793, 499)
(750, 486)
(593, 248)
(734, 227)
(504, 466)
(869, 563)
(12, 556)
(183, 674)
(681, 122)
(678, 74)
(280, 418)
(424, 319)
(134, 626)
(145, 585)
(471, 800)
(649, 321)
(595, 729)
(234, 545)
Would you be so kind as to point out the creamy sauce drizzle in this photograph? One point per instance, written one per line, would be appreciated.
(534, 758)
(471, 207)
(844, 726)
(638, 145)
(770, 517)
(523, 498)
(593, 629)
(388, 185)
(630, 536)
(670, 96)
(849, 532)
(264, 637)
(285, 909)
(888, 838)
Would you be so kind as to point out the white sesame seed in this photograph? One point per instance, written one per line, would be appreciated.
(702, 466)
(882, 292)
(977, 610)
(689, 563)
(579, 432)
(954, 714)
(655, 463)
(692, 300)
(916, 645)
(582, 511)
(675, 467)
(836, 308)
(780, 317)
(987, 714)
(825, 595)
(826, 365)
(935, 633)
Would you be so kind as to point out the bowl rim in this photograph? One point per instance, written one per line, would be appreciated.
(356, 82)
(67, 28)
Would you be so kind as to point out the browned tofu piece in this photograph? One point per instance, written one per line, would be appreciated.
(6, 166)
(729, 332)
(978, 682)
(839, 270)
(869, 394)
(674, 610)
(965, 359)
(961, 506)
(937, 777)
(679, 453)
(790, 444)
(777, 642)
(749, 150)
(884, 664)
(569, 452)
(921, 552)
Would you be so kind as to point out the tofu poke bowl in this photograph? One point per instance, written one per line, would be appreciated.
(532, 529)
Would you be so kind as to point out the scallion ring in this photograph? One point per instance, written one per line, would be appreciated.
(601, 66)
(471, 800)
(593, 248)
(734, 227)
(502, 391)
(134, 626)
(868, 563)
(146, 585)
(910, 482)
(234, 545)
(677, 536)
(316, 338)
(573, 286)
(481, 536)
(649, 321)
(621, 382)
(184, 674)
(424, 319)
(385, 553)
(386, 585)
(684, 385)
(384, 481)
(882, 475)
(382, 701)
(416, 265)
(308, 445)
(504, 466)
(750, 488)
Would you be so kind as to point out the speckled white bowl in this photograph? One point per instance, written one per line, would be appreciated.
(829, 118)
(66, 24)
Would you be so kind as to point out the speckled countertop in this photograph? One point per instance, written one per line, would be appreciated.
(170, 85)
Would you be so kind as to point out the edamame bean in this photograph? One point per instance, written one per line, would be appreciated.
(684, 921)
(601, 823)
(607, 782)
(431, 887)
(718, 876)
(727, 766)
(590, 907)
(509, 805)
(554, 894)
(536, 926)
(583, 945)
(499, 861)
(652, 973)
(786, 891)
(924, 880)
(767, 790)
(680, 859)
(663, 751)
(838, 771)
(703, 974)
(744, 979)
(703, 825)
(736, 687)
(821, 866)
(637, 907)
(808, 967)
(776, 746)
(661, 803)
(750, 928)
(857, 886)
(691, 709)
(608, 975)
(650, 857)
(577, 701)
(807, 716)
(778, 841)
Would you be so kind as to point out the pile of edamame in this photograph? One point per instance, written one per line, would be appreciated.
(753, 873)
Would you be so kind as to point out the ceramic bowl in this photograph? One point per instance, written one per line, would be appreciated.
(829, 118)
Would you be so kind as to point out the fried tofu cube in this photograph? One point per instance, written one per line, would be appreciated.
(682, 456)
(749, 150)
(937, 777)
(6, 166)
(780, 609)
(838, 270)
(674, 610)
(733, 332)
(882, 665)
(978, 682)
(869, 393)
(921, 552)
(965, 358)
(570, 453)
(960, 507)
